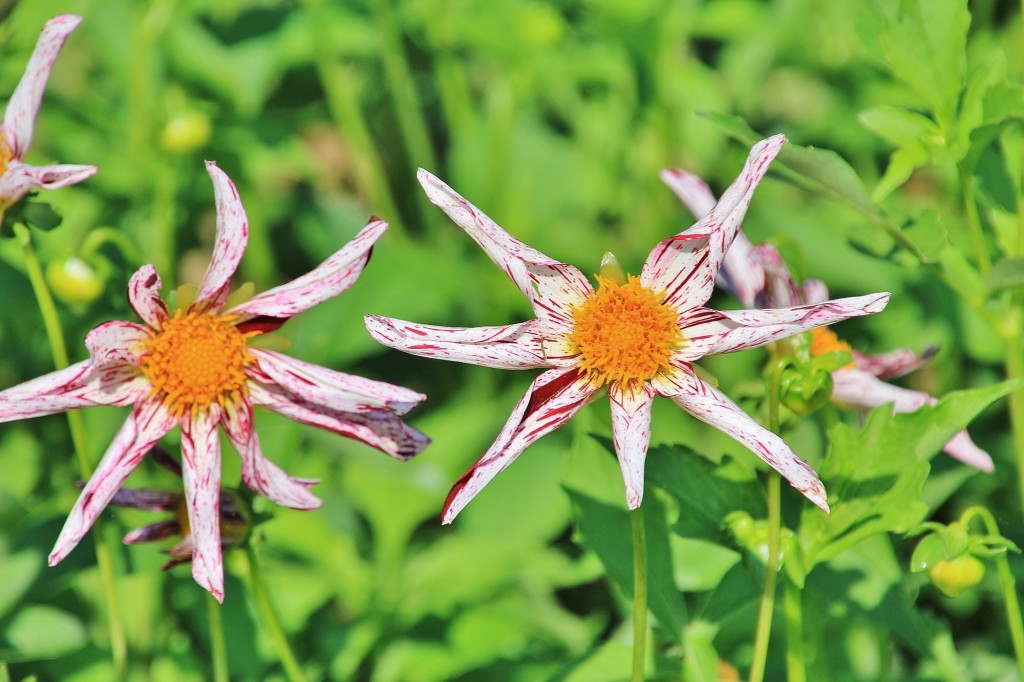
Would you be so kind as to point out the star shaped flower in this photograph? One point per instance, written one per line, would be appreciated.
(758, 276)
(16, 177)
(633, 338)
(194, 368)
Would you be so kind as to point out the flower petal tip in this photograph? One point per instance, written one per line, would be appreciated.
(634, 498)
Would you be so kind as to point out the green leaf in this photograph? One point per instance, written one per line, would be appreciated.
(902, 164)
(45, 632)
(929, 234)
(1006, 274)
(17, 573)
(700, 660)
(899, 126)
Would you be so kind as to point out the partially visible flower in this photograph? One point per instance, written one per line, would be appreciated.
(633, 337)
(194, 368)
(758, 277)
(16, 177)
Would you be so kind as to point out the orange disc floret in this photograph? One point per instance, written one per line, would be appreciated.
(624, 332)
(196, 359)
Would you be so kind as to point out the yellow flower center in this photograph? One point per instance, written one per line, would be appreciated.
(624, 332)
(197, 359)
(824, 340)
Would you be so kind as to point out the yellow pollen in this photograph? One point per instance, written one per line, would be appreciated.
(197, 359)
(624, 332)
(824, 340)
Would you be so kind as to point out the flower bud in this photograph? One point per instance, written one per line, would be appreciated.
(73, 281)
(955, 576)
(186, 131)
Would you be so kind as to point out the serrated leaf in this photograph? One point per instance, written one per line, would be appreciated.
(1006, 274)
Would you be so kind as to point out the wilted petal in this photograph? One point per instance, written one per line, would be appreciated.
(146, 425)
(160, 530)
(382, 430)
(511, 346)
(80, 385)
(20, 115)
(507, 252)
(258, 472)
(631, 427)
(553, 398)
(712, 406)
(336, 390)
(330, 278)
(232, 238)
(683, 270)
(709, 331)
(862, 390)
(144, 296)
(116, 343)
(200, 460)
(20, 178)
(153, 500)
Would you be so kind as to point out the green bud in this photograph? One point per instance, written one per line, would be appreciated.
(805, 390)
(73, 282)
(186, 131)
(953, 577)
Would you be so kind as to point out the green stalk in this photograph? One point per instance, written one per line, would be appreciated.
(59, 352)
(1015, 370)
(974, 221)
(793, 605)
(219, 649)
(636, 517)
(268, 616)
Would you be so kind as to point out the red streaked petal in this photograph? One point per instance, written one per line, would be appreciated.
(232, 238)
(77, 386)
(21, 178)
(144, 296)
(631, 427)
(116, 343)
(200, 470)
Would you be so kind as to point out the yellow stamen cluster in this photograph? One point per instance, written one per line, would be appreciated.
(624, 332)
(824, 340)
(197, 359)
(5, 154)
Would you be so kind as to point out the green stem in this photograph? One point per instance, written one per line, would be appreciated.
(268, 615)
(636, 517)
(793, 605)
(974, 221)
(1015, 370)
(219, 649)
(59, 352)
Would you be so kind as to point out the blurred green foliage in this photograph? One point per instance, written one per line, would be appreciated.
(554, 118)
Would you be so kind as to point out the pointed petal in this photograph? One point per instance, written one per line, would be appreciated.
(200, 465)
(258, 472)
(232, 238)
(512, 346)
(381, 430)
(80, 385)
(144, 296)
(680, 266)
(553, 398)
(333, 389)
(153, 500)
(855, 388)
(116, 343)
(21, 178)
(709, 332)
(507, 252)
(779, 289)
(631, 427)
(691, 190)
(894, 363)
(146, 425)
(160, 530)
(330, 278)
(20, 115)
(712, 407)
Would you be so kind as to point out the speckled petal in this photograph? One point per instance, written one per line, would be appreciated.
(200, 460)
(507, 252)
(20, 115)
(862, 390)
(146, 425)
(327, 280)
(557, 289)
(338, 391)
(232, 238)
(553, 398)
(712, 407)
(512, 346)
(709, 332)
(144, 296)
(258, 472)
(116, 343)
(894, 363)
(80, 385)
(691, 190)
(631, 427)
(21, 178)
(683, 266)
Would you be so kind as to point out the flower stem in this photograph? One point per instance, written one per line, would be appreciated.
(219, 652)
(636, 517)
(793, 604)
(59, 352)
(268, 615)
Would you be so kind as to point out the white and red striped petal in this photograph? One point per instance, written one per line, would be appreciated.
(894, 363)
(631, 428)
(553, 398)
(513, 346)
(862, 390)
(712, 407)
(20, 115)
(232, 238)
(21, 178)
(327, 280)
(507, 252)
(116, 343)
(382, 430)
(145, 426)
(200, 470)
(691, 190)
(677, 268)
(557, 289)
(144, 296)
(77, 386)
(710, 332)
(338, 391)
